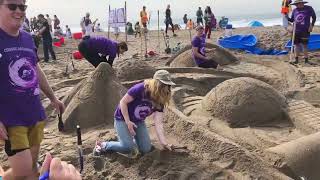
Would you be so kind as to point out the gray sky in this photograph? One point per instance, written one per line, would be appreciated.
(70, 11)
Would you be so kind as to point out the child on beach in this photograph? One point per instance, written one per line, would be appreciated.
(137, 28)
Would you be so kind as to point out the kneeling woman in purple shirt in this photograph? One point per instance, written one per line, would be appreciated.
(199, 51)
(142, 100)
(96, 50)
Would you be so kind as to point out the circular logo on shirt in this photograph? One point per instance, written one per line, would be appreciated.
(142, 111)
(300, 19)
(23, 76)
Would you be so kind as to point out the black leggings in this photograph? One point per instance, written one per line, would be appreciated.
(169, 22)
(94, 58)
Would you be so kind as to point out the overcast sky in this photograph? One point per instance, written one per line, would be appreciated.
(72, 10)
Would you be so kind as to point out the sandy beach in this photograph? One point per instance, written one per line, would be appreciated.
(215, 150)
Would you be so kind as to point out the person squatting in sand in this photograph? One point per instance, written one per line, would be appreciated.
(96, 49)
(301, 17)
(22, 116)
(199, 51)
(142, 100)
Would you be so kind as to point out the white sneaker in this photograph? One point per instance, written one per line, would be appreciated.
(98, 149)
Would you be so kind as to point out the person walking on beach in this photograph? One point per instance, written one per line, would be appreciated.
(199, 15)
(210, 21)
(199, 51)
(301, 17)
(96, 49)
(22, 116)
(168, 21)
(44, 32)
(185, 20)
(144, 17)
(285, 11)
(56, 22)
(149, 97)
(49, 20)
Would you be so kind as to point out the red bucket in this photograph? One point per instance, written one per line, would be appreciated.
(77, 35)
(77, 55)
(57, 44)
(62, 40)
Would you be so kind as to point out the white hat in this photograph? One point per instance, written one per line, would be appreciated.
(164, 77)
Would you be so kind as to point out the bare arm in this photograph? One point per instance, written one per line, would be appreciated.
(47, 90)
(44, 84)
(158, 118)
(124, 106)
(197, 54)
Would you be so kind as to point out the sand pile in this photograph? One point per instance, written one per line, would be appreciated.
(95, 101)
(184, 58)
(245, 102)
(301, 157)
(130, 70)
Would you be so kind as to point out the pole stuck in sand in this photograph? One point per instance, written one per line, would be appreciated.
(60, 123)
(158, 29)
(80, 151)
(292, 50)
(109, 23)
(125, 19)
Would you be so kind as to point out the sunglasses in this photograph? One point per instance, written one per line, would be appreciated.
(13, 7)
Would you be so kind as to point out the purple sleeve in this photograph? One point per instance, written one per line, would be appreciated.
(196, 42)
(136, 90)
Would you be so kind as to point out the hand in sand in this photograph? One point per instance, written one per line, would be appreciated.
(168, 147)
(59, 170)
(58, 105)
(131, 127)
(3, 132)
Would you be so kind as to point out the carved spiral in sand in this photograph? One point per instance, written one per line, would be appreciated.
(245, 102)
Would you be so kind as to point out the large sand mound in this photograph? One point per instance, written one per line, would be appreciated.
(245, 102)
(130, 70)
(184, 58)
(95, 101)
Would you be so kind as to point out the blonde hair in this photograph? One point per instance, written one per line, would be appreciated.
(160, 93)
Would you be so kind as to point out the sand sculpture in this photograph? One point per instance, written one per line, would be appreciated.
(245, 102)
(95, 100)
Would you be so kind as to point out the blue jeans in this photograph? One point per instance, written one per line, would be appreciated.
(126, 143)
(47, 47)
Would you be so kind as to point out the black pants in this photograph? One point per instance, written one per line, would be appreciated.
(47, 47)
(93, 57)
(169, 22)
(209, 64)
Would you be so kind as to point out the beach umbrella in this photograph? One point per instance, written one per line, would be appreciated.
(255, 24)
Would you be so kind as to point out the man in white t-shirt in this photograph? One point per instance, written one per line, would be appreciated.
(49, 22)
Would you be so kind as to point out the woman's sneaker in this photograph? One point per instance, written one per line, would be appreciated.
(98, 149)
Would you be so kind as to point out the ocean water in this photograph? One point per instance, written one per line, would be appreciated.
(236, 21)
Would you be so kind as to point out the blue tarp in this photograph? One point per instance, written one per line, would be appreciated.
(255, 24)
(248, 44)
(313, 45)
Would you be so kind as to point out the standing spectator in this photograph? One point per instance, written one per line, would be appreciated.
(88, 25)
(22, 116)
(49, 22)
(26, 25)
(46, 38)
(199, 17)
(210, 21)
(144, 17)
(185, 20)
(168, 21)
(56, 22)
(301, 17)
(285, 10)
(68, 32)
(137, 29)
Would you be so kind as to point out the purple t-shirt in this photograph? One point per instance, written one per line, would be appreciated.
(104, 46)
(302, 18)
(200, 43)
(141, 107)
(20, 103)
